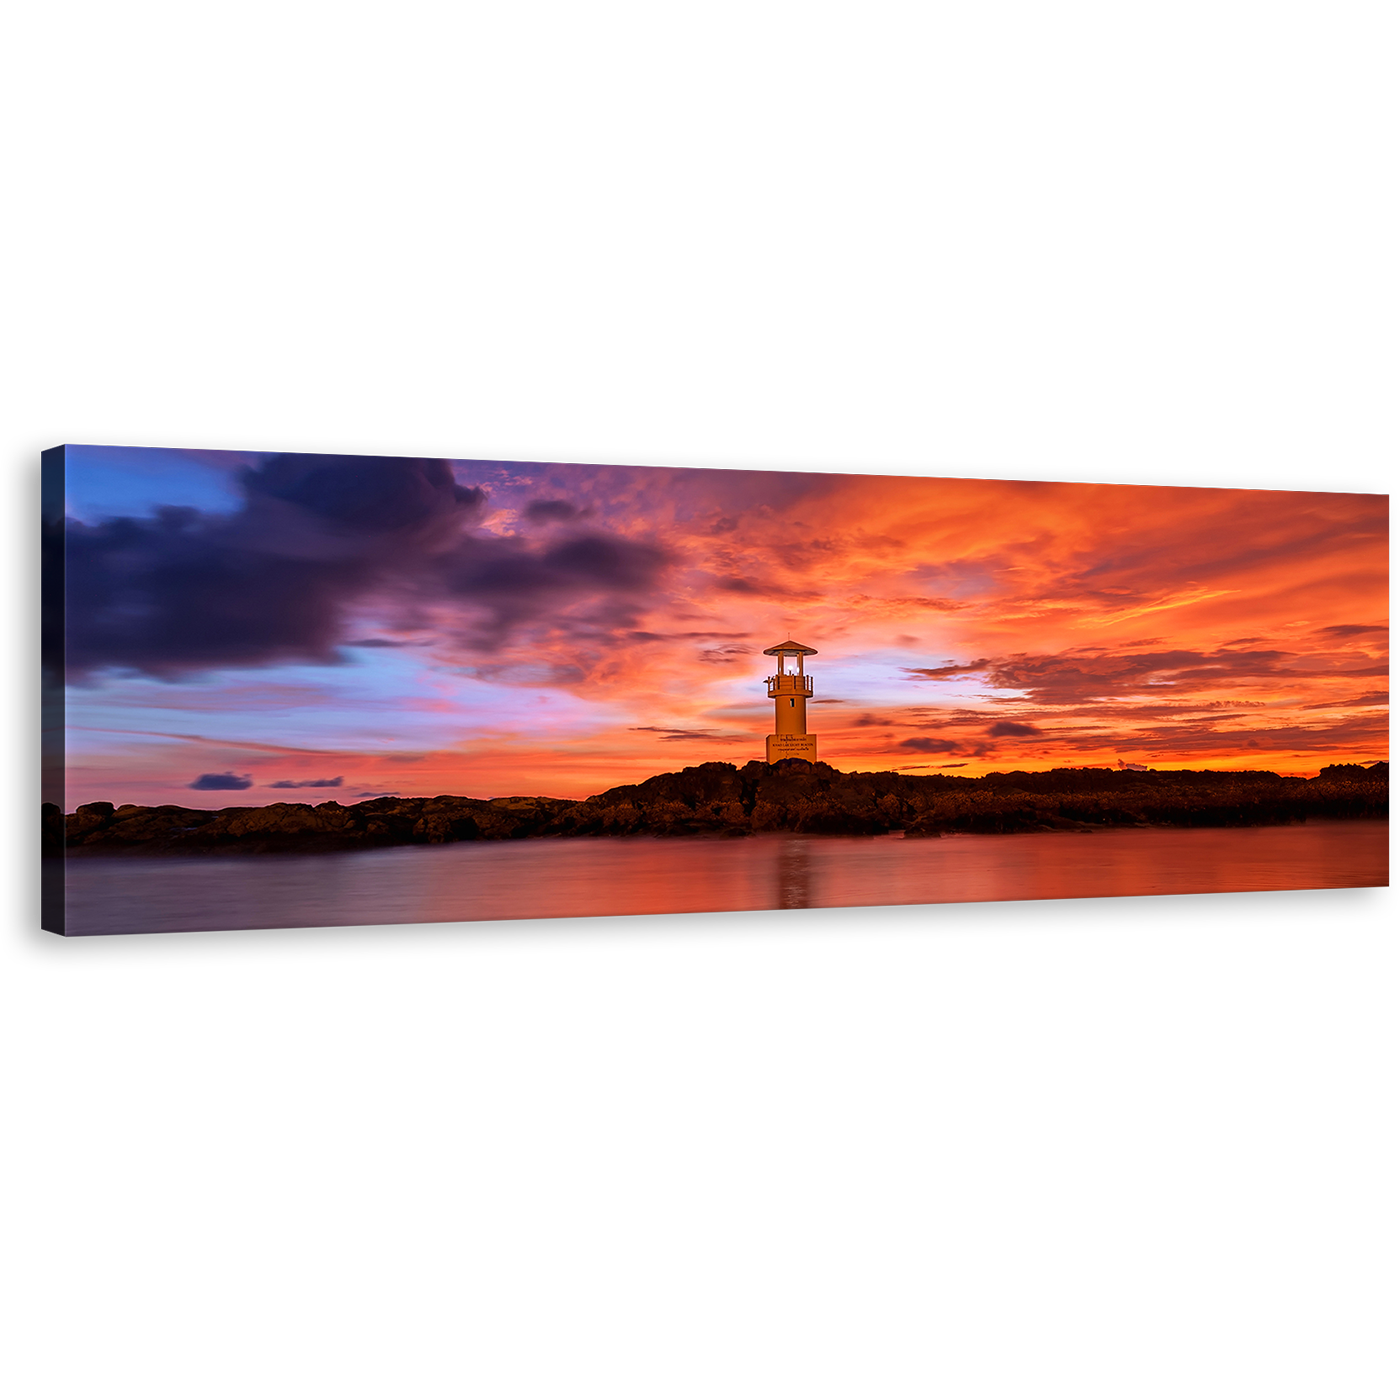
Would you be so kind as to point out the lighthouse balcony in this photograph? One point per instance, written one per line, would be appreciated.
(789, 684)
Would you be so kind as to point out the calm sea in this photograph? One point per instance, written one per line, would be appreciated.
(643, 875)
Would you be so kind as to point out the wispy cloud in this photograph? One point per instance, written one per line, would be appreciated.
(948, 671)
(709, 734)
(1113, 616)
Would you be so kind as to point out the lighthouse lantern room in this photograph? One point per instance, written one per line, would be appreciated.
(789, 690)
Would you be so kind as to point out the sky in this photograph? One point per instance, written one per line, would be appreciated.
(246, 628)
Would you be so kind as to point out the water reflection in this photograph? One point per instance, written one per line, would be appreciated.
(559, 878)
(794, 872)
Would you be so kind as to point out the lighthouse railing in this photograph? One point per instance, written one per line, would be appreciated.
(788, 681)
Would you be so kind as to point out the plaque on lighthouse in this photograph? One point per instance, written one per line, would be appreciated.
(789, 689)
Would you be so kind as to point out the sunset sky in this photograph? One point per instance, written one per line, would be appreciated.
(246, 628)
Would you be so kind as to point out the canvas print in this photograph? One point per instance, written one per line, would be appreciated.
(288, 689)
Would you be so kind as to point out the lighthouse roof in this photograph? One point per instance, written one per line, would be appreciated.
(789, 649)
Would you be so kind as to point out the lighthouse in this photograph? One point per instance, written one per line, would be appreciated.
(789, 690)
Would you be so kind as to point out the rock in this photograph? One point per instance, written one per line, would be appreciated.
(51, 840)
(514, 818)
(278, 819)
(1354, 773)
(720, 799)
(439, 829)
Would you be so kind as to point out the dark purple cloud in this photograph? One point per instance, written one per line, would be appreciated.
(221, 782)
(709, 734)
(760, 588)
(1167, 731)
(686, 636)
(943, 673)
(1068, 678)
(592, 585)
(1351, 629)
(371, 496)
(1008, 729)
(186, 591)
(549, 512)
(1372, 698)
(274, 582)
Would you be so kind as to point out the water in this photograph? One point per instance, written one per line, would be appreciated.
(641, 875)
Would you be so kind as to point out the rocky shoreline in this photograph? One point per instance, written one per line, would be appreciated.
(719, 799)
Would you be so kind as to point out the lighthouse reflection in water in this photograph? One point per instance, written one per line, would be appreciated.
(794, 872)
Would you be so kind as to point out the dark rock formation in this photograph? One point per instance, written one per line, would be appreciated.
(52, 838)
(1354, 773)
(298, 826)
(720, 799)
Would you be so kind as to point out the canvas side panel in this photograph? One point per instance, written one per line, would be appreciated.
(52, 754)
